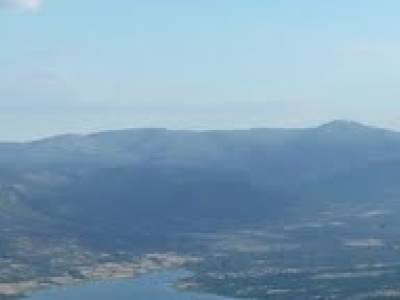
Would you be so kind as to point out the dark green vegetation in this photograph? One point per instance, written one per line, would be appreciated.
(298, 194)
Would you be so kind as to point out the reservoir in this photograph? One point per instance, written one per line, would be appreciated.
(158, 286)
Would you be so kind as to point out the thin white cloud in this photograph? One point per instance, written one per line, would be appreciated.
(30, 5)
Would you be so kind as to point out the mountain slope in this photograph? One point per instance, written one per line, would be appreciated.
(134, 187)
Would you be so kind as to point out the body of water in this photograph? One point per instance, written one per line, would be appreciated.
(157, 286)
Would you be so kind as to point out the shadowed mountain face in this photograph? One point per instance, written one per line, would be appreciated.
(298, 153)
(121, 184)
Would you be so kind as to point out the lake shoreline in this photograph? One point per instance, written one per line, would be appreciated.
(109, 271)
(157, 285)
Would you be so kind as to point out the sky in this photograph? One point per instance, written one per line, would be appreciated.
(69, 66)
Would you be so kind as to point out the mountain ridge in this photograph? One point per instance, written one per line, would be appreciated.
(334, 124)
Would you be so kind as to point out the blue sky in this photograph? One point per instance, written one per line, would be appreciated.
(81, 66)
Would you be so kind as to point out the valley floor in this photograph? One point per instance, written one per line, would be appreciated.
(335, 254)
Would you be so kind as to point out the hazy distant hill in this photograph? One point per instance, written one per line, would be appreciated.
(301, 152)
(155, 179)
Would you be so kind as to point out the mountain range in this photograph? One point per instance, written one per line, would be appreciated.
(121, 189)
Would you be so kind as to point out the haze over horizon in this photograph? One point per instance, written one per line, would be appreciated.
(79, 67)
